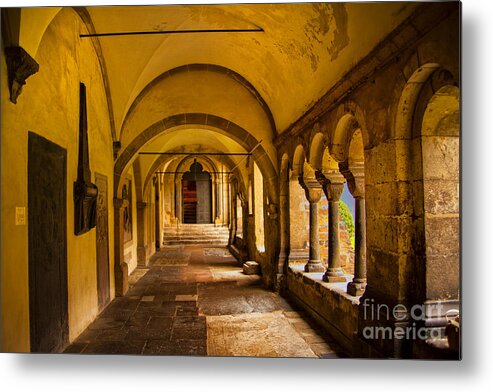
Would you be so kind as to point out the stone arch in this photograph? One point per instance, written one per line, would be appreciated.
(440, 152)
(204, 67)
(183, 166)
(317, 147)
(215, 123)
(139, 189)
(420, 88)
(427, 125)
(38, 28)
(163, 159)
(205, 161)
(298, 160)
(341, 139)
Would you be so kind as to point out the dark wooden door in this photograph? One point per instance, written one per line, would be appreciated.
(102, 245)
(47, 194)
(189, 201)
(204, 204)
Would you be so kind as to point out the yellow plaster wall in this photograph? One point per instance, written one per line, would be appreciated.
(49, 106)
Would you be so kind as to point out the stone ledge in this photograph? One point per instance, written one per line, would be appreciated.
(327, 303)
(315, 279)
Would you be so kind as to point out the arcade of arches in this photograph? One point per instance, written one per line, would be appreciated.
(133, 156)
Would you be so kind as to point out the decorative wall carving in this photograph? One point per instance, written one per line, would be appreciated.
(127, 210)
(20, 66)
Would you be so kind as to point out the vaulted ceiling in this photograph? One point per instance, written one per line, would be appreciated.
(256, 66)
(301, 52)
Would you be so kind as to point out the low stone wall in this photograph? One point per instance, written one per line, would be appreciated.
(327, 303)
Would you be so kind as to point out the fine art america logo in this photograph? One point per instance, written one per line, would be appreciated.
(413, 319)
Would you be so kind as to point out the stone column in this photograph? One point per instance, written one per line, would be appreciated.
(333, 186)
(219, 195)
(226, 200)
(313, 192)
(121, 267)
(141, 229)
(284, 240)
(356, 184)
(357, 286)
(178, 216)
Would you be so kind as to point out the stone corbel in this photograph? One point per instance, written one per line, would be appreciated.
(20, 65)
(117, 145)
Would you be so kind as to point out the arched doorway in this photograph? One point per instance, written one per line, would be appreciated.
(196, 195)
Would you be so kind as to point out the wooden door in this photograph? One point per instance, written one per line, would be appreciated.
(102, 244)
(189, 201)
(204, 201)
(47, 194)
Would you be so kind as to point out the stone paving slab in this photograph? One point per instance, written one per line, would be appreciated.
(204, 307)
(255, 334)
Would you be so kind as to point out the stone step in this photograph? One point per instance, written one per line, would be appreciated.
(196, 231)
(196, 234)
(192, 237)
(196, 242)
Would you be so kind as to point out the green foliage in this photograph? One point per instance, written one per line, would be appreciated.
(347, 218)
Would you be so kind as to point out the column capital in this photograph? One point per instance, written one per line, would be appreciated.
(355, 176)
(332, 184)
(313, 189)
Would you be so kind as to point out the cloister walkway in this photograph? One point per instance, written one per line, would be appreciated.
(197, 301)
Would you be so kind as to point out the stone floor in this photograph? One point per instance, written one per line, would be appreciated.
(197, 301)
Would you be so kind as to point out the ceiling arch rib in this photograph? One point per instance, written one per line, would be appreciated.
(197, 141)
(201, 90)
(236, 77)
(199, 121)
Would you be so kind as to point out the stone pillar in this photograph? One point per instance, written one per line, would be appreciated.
(333, 186)
(141, 230)
(313, 192)
(357, 286)
(121, 267)
(356, 184)
(178, 216)
(219, 195)
(226, 200)
(284, 240)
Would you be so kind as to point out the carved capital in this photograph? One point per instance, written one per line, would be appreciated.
(332, 184)
(20, 65)
(313, 189)
(355, 176)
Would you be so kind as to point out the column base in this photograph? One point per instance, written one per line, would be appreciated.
(356, 288)
(334, 275)
(314, 266)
